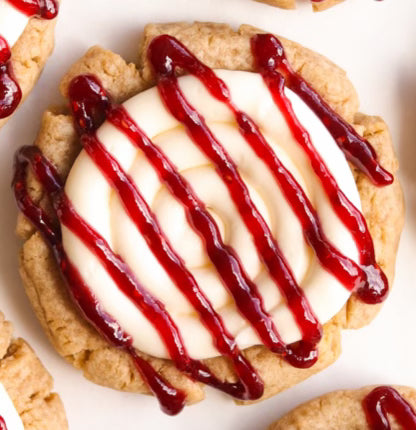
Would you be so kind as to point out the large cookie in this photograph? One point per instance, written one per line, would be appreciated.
(218, 46)
(28, 384)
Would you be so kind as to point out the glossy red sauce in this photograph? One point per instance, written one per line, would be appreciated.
(384, 401)
(356, 149)
(46, 9)
(171, 400)
(368, 280)
(10, 92)
(224, 258)
(2, 424)
(91, 106)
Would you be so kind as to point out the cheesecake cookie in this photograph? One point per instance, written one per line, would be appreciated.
(26, 42)
(195, 236)
(27, 401)
(365, 409)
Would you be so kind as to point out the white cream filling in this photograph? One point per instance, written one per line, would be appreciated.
(12, 22)
(8, 411)
(100, 206)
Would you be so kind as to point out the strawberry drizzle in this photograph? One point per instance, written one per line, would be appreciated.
(384, 401)
(166, 54)
(368, 281)
(171, 400)
(10, 92)
(224, 258)
(356, 149)
(45, 9)
(3, 425)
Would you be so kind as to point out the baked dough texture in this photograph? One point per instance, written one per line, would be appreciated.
(291, 4)
(219, 46)
(30, 53)
(28, 384)
(340, 410)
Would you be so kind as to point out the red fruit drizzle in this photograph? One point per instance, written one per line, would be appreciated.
(46, 9)
(224, 258)
(171, 400)
(226, 261)
(174, 55)
(91, 106)
(10, 92)
(386, 400)
(146, 223)
(2, 424)
(370, 282)
(356, 149)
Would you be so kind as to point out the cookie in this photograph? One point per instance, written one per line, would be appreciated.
(103, 72)
(317, 5)
(26, 42)
(354, 409)
(26, 387)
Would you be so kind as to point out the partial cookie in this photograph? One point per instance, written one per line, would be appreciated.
(28, 385)
(346, 410)
(219, 47)
(25, 45)
(317, 5)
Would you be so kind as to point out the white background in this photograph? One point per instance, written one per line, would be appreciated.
(376, 43)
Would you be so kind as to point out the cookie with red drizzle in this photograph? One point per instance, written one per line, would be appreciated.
(11, 93)
(91, 105)
(380, 408)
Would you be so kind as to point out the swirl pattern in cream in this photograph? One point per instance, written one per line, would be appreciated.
(100, 206)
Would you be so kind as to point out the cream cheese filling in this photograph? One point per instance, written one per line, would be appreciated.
(12, 22)
(100, 206)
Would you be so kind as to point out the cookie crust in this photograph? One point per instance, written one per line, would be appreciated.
(29, 55)
(291, 4)
(28, 383)
(219, 46)
(340, 410)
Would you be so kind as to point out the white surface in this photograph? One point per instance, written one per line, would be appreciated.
(93, 198)
(8, 411)
(375, 42)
